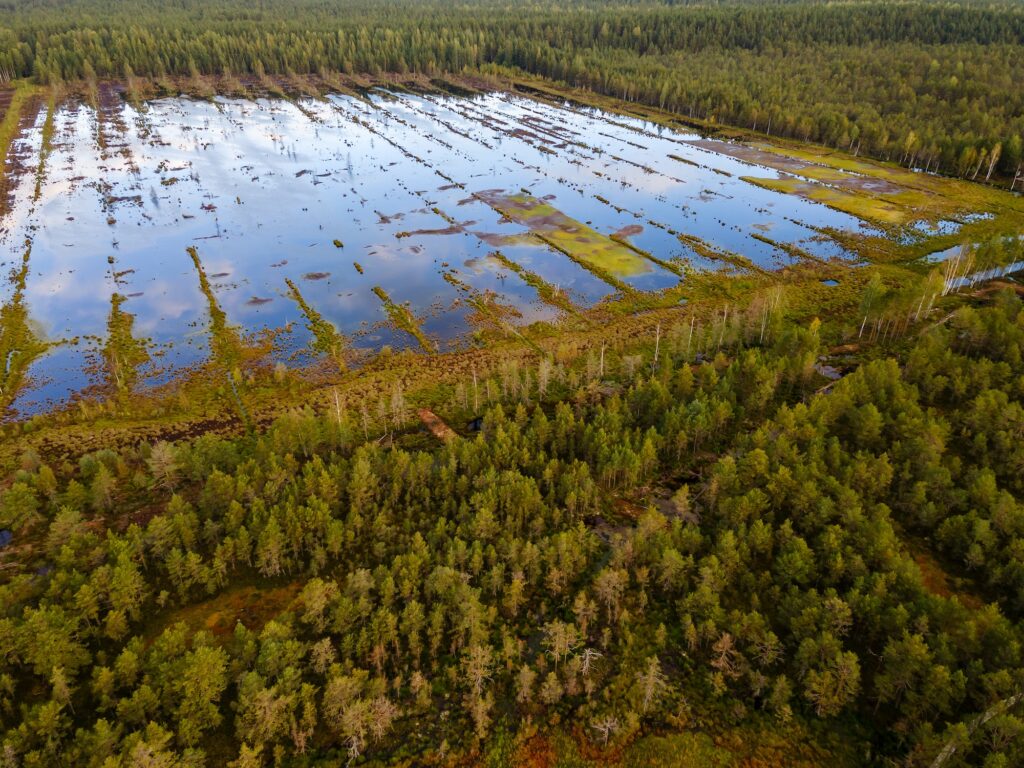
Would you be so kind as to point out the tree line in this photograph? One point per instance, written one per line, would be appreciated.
(930, 85)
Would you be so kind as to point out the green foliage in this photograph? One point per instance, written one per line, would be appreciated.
(920, 83)
(530, 574)
(18, 505)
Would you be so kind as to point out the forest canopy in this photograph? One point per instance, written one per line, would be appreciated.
(775, 519)
(319, 591)
(931, 84)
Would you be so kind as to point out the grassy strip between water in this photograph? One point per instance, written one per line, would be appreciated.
(664, 264)
(624, 288)
(123, 354)
(587, 247)
(548, 293)
(225, 343)
(702, 248)
(23, 92)
(793, 250)
(870, 208)
(404, 320)
(684, 160)
(46, 145)
(445, 216)
(489, 310)
(20, 345)
(326, 338)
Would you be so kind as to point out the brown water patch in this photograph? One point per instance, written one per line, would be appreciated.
(454, 229)
(630, 230)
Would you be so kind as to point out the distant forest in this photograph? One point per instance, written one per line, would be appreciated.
(925, 84)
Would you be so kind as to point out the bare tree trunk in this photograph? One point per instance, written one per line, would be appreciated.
(476, 394)
(996, 709)
(977, 170)
(997, 150)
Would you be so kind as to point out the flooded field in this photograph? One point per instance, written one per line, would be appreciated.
(142, 242)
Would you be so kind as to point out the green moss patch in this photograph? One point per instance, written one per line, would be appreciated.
(874, 208)
(20, 342)
(403, 319)
(326, 338)
(598, 253)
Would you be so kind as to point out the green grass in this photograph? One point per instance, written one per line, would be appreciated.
(702, 248)
(924, 196)
(23, 93)
(666, 265)
(489, 312)
(326, 338)
(225, 342)
(598, 253)
(870, 208)
(123, 353)
(46, 146)
(404, 320)
(20, 342)
(545, 290)
(23, 90)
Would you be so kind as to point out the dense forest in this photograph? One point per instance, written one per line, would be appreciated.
(776, 520)
(416, 600)
(927, 84)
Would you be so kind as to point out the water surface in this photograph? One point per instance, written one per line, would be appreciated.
(263, 190)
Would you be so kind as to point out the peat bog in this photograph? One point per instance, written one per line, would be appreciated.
(337, 226)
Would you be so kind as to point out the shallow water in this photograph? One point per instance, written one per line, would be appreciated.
(262, 189)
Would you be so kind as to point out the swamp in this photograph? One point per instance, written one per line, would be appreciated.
(393, 218)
